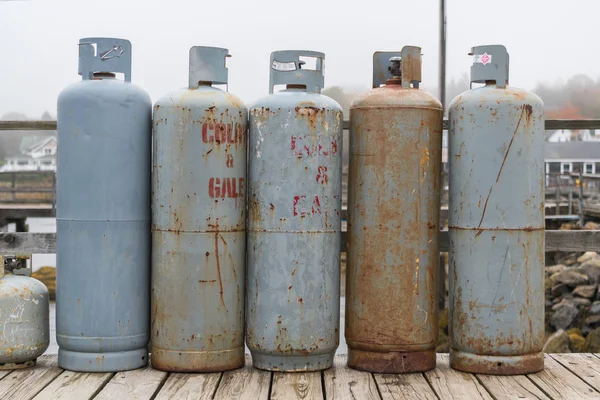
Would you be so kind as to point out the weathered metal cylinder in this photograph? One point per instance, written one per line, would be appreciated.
(103, 214)
(496, 223)
(294, 226)
(199, 222)
(24, 315)
(393, 220)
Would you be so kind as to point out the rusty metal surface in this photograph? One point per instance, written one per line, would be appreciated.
(198, 231)
(496, 231)
(294, 231)
(24, 321)
(393, 230)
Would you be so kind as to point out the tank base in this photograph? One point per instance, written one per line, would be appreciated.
(23, 365)
(496, 365)
(292, 363)
(197, 361)
(391, 362)
(102, 362)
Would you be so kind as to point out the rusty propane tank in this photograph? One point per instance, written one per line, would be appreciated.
(393, 220)
(199, 222)
(24, 316)
(103, 214)
(496, 223)
(294, 227)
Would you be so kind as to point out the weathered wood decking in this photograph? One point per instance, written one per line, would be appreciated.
(566, 376)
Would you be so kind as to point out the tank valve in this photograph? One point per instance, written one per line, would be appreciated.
(394, 69)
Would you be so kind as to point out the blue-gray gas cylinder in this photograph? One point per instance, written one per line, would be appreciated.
(103, 214)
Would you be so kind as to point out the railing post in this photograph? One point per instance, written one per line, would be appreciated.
(557, 199)
(13, 186)
(580, 203)
(571, 196)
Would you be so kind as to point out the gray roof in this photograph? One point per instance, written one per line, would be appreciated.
(572, 150)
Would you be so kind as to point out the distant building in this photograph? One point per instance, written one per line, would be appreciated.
(573, 156)
(567, 135)
(35, 154)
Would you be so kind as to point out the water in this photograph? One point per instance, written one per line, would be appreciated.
(45, 225)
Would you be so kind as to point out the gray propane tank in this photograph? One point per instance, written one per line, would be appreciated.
(24, 314)
(103, 214)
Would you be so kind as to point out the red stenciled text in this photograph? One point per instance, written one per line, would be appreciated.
(304, 146)
(304, 206)
(217, 132)
(230, 188)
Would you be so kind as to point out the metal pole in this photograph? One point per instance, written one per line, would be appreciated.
(443, 54)
(580, 203)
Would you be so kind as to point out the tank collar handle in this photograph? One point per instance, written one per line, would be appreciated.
(208, 64)
(490, 63)
(404, 65)
(286, 68)
(99, 54)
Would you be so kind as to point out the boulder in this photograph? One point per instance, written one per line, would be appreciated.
(564, 316)
(559, 289)
(587, 291)
(592, 341)
(555, 269)
(588, 255)
(592, 226)
(558, 342)
(443, 343)
(443, 321)
(577, 343)
(590, 268)
(574, 331)
(570, 278)
(47, 275)
(594, 308)
(581, 302)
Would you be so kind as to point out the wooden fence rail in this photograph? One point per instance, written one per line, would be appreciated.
(556, 240)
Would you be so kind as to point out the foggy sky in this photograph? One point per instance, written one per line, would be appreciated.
(38, 40)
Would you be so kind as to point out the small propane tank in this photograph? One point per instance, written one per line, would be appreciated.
(24, 315)
(103, 214)
(496, 223)
(199, 222)
(294, 227)
(393, 220)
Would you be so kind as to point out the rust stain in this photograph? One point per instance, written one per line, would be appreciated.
(500, 170)
(219, 269)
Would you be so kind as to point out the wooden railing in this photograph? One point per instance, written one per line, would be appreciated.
(28, 187)
(556, 240)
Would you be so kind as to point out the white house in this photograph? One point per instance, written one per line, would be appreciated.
(35, 154)
(567, 135)
(575, 156)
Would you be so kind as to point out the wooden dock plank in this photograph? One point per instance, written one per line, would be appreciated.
(138, 384)
(452, 384)
(558, 383)
(404, 386)
(24, 384)
(585, 366)
(74, 385)
(342, 382)
(297, 385)
(189, 386)
(511, 387)
(244, 383)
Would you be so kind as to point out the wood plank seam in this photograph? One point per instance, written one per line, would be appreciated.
(428, 380)
(573, 372)
(160, 386)
(99, 389)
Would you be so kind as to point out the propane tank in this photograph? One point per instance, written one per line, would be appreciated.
(199, 222)
(103, 214)
(24, 320)
(496, 223)
(393, 220)
(294, 227)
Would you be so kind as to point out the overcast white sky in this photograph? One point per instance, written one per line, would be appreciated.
(547, 40)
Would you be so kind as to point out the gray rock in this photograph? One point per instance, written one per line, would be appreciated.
(555, 269)
(581, 302)
(570, 278)
(592, 320)
(557, 305)
(557, 300)
(587, 291)
(591, 268)
(548, 303)
(558, 342)
(595, 308)
(564, 316)
(592, 341)
(588, 255)
(559, 289)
